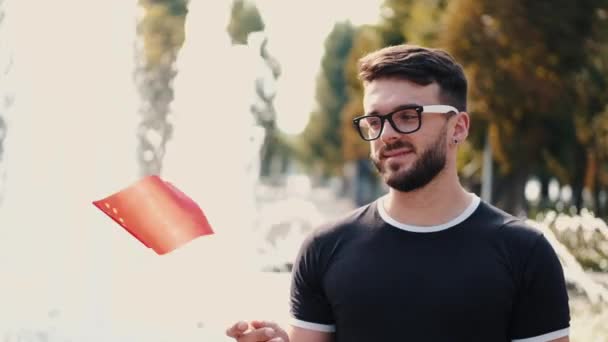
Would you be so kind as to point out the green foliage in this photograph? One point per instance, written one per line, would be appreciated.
(591, 120)
(244, 19)
(395, 15)
(521, 65)
(413, 21)
(367, 39)
(162, 30)
(321, 140)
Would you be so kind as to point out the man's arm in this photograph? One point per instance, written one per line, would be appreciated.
(541, 310)
(264, 331)
(297, 334)
(310, 307)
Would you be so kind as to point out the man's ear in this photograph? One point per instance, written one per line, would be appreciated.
(461, 127)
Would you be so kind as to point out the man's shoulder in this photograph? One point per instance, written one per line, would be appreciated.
(324, 240)
(511, 229)
(346, 223)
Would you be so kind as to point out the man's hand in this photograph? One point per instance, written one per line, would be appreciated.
(259, 331)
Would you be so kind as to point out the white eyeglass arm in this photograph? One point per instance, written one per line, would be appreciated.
(439, 109)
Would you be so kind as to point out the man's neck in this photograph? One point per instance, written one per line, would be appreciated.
(440, 201)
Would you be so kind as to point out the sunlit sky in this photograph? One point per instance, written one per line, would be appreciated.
(296, 31)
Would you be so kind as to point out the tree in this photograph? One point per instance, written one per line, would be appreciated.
(367, 39)
(320, 144)
(394, 16)
(413, 21)
(591, 119)
(363, 181)
(246, 27)
(517, 60)
(244, 19)
(263, 107)
(161, 31)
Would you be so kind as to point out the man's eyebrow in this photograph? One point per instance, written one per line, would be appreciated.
(399, 107)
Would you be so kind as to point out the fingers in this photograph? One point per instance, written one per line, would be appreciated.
(260, 333)
(237, 330)
(260, 324)
(279, 334)
(265, 324)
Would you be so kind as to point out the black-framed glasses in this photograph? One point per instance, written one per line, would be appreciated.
(404, 119)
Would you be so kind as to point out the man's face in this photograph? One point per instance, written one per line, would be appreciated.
(407, 161)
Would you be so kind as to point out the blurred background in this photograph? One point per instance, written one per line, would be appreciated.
(246, 106)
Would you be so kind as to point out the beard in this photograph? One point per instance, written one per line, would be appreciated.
(430, 163)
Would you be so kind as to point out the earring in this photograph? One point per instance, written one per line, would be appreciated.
(455, 141)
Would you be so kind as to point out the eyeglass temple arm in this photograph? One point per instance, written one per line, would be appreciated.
(439, 109)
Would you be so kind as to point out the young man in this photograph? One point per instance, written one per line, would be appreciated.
(429, 261)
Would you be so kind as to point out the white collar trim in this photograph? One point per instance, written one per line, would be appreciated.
(428, 229)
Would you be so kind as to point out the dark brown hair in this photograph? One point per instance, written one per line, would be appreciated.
(420, 65)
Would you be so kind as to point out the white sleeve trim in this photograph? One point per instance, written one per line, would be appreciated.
(546, 337)
(313, 326)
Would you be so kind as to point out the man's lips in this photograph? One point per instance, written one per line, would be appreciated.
(396, 153)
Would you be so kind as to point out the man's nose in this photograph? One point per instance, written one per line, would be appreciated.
(389, 133)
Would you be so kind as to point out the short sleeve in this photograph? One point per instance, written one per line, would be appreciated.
(310, 308)
(541, 311)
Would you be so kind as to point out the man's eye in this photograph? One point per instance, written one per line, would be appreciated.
(373, 122)
(405, 116)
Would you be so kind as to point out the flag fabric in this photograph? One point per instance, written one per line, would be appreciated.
(157, 214)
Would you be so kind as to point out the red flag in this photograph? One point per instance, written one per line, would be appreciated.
(156, 213)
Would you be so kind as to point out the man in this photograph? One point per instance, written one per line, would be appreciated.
(429, 261)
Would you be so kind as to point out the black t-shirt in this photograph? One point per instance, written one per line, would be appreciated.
(485, 276)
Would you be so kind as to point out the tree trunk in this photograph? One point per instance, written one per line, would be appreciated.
(599, 209)
(578, 181)
(577, 196)
(487, 171)
(267, 152)
(603, 203)
(509, 193)
(544, 201)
